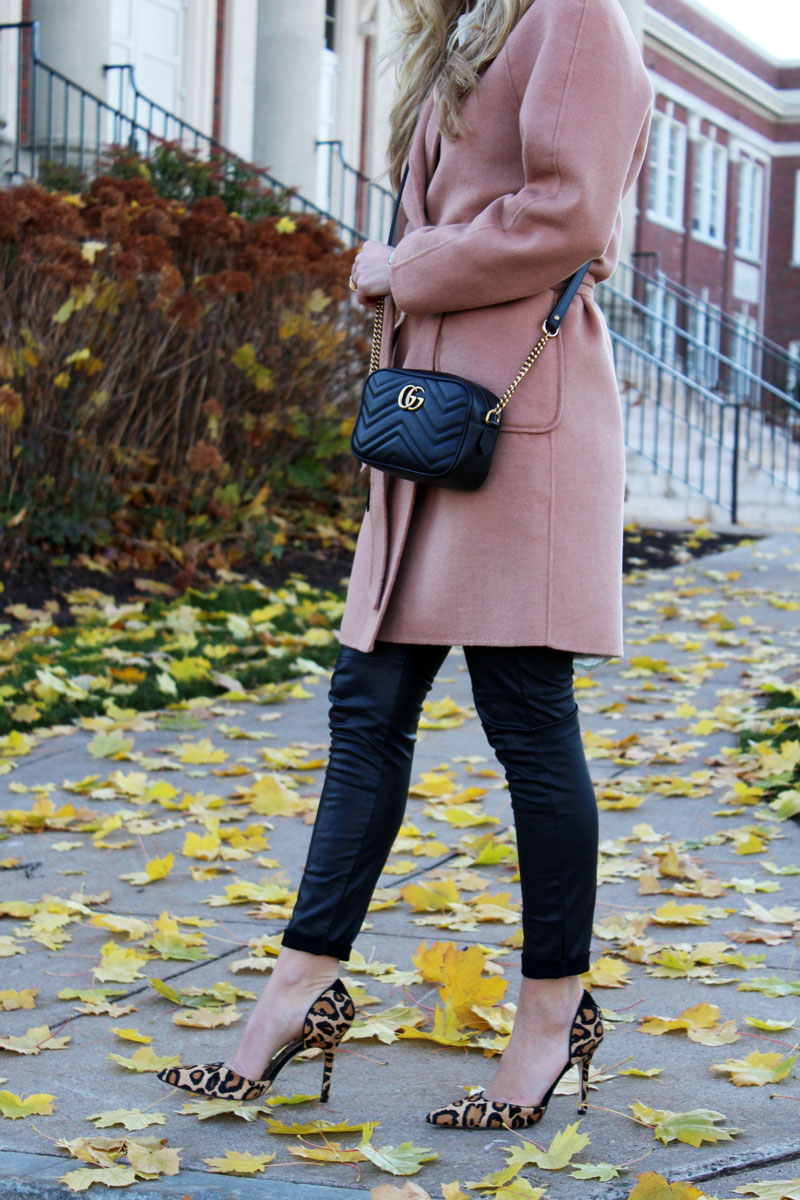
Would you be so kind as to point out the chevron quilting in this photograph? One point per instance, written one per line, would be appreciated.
(430, 436)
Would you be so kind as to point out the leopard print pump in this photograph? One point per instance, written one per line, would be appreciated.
(476, 1112)
(326, 1023)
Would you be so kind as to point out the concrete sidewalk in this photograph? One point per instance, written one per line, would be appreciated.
(705, 635)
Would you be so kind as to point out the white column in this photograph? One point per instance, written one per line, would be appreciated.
(197, 66)
(239, 77)
(289, 48)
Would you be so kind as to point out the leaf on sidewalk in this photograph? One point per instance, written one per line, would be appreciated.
(694, 1127)
(146, 1059)
(37, 1038)
(239, 1162)
(84, 1177)
(652, 1186)
(11, 999)
(13, 1107)
(131, 1119)
(756, 1068)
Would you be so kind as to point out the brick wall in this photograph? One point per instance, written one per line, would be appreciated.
(689, 259)
(782, 317)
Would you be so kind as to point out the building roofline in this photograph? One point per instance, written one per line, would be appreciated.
(771, 59)
(782, 104)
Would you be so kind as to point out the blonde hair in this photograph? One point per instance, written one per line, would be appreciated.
(429, 59)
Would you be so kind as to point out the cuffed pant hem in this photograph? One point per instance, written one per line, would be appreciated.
(531, 969)
(295, 941)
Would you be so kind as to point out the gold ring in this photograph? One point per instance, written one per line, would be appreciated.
(353, 286)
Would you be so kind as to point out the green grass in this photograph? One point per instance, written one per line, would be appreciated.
(238, 636)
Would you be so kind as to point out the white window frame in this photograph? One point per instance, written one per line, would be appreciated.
(662, 320)
(793, 372)
(710, 192)
(750, 209)
(665, 202)
(704, 324)
(796, 240)
(744, 347)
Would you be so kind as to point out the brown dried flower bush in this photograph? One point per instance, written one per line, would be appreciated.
(174, 381)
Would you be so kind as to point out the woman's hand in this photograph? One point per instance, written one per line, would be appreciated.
(370, 274)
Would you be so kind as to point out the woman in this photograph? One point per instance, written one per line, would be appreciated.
(524, 123)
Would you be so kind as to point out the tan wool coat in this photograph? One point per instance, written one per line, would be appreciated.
(496, 220)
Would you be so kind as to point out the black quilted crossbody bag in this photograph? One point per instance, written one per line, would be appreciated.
(432, 427)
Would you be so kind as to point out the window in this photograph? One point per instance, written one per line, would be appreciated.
(662, 317)
(710, 181)
(793, 369)
(667, 170)
(330, 24)
(744, 355)
(702, 361)
(796, 251)
(750, 208)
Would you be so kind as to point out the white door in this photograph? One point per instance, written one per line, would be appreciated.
(148, 34)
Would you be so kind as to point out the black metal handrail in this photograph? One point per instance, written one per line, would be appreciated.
(65, 124)
(370, 203)
(777, 366)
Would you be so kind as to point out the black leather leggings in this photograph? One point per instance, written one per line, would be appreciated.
(525, 701)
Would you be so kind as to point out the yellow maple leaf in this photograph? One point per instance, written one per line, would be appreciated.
(37, 1038)
(606, 972)
(430, 897)
(673, 913)
(207, 1018)
(202, 752)
(83, 1178)
(13, 1107)
(131, 1035)
(446, 1029)
(118, 965)
(460, 976)
(146, 1059)
(652, 1186)
(756, 1068)
(239, 1162)
(698, 1016)
(11, 999)
(156, 868)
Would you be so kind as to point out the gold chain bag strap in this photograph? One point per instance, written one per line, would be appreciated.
(430, 426)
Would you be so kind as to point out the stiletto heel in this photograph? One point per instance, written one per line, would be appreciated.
(476, 1112)
(327, 1072)
(326, 1023)
(583, 1083)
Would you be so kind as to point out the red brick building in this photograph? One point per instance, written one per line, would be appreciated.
(719, 197)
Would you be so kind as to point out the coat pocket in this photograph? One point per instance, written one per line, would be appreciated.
(490, 345)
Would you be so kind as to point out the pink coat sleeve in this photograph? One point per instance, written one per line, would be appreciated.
(584, 112)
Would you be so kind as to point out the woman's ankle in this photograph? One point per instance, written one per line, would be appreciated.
(299, 969)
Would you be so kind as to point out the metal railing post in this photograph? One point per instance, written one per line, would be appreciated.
(735, 466)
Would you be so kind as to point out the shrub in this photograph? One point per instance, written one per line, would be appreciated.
(179, 174)
(174, 380)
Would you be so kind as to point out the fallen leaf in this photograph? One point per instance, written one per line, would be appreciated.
(239, 1162)
(756, 1068)
(693, 1127)
(14, 1107)
(132, 1119)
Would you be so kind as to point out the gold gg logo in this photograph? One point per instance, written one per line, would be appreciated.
(412, 397)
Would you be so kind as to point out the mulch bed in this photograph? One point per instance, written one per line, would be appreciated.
(644, 549)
